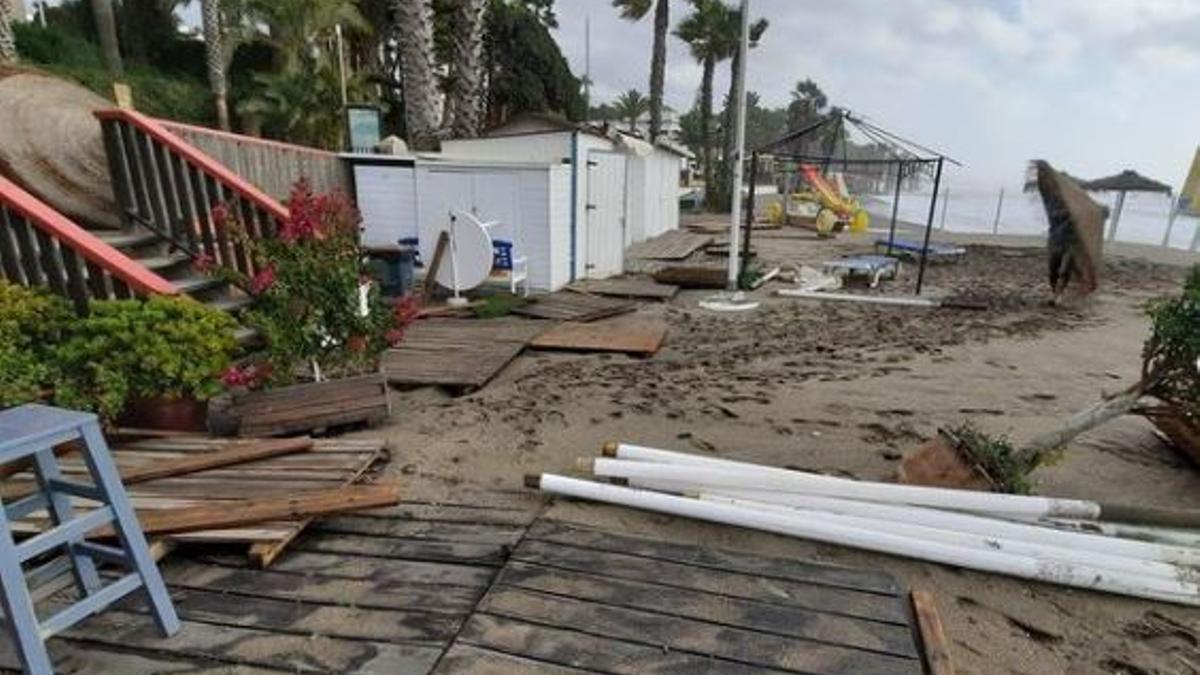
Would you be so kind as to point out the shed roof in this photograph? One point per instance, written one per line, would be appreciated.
(541, 123)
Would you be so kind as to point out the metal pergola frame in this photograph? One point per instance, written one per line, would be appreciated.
(907, 156)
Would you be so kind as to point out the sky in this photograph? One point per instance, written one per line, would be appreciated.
(1093, 86)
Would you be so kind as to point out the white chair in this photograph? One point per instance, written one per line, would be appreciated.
(508, 259)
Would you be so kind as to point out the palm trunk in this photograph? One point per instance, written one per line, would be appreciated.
(464, 102)
(214, 58)
(106, 28)
(1086, 419)
(416, 65)
(706, 105)
(658, 66)
(8, 43)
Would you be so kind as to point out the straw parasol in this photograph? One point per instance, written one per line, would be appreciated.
(1123, 183)
(1076, 242)
(51, 145)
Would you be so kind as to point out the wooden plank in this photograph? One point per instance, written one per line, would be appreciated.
(297, 617)
(762, 617)
(453, 514)
(725, 561)
(557, 647)
(568, 306)
(634, 334)
(439, 252)
(236, 453)
(463, 658)
(320, 589)
(778, 591)
(421, 530)
(697, 637)
(466, 365)
(251, 646)
(672, 245)
(465, 553)
(380, 570)
(933, 637)
(692, 276)
(249, 511)
(626, 288)
(70, 656)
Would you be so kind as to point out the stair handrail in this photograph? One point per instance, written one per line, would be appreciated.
(218, 171)
(93, 249)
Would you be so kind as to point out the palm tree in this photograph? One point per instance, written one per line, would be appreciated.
(415, 27)
(106, 27)
(8, 44)
(464, 96)
(214, 59)
(635, 10)
(301, 28)
(706, 32)
(630, 106)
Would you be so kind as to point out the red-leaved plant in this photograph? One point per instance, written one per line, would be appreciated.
(308, 303)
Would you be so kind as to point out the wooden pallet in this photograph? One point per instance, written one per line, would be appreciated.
(476, 585)
(301, 407)
(568, 306)
(630, 334)
(331, 463)
(458, 352)
(673, 245)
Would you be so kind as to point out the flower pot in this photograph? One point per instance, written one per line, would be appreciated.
(938, 463)
(166, 413)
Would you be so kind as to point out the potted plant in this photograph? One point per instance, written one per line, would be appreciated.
(324, 324)
(150, 363)
(1171, 367)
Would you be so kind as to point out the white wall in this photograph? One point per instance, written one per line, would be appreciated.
(549, 148)
(653, 195)
(387, 199)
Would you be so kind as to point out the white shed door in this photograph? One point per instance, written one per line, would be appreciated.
(605, 239)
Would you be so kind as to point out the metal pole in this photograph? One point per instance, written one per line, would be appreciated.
(945, 206)
(1116, 217)
(937, 183)
(895, 206)
(739, 124)
(1171, 222)
(999, 208)
(749, 213)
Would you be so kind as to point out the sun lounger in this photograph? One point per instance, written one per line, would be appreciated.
(912, 249)
(873, 267)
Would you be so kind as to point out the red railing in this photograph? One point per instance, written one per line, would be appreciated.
(166, 185)
(41, 247)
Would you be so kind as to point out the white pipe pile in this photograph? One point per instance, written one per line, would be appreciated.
(988, 532)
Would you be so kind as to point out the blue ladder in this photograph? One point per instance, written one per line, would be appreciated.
(32, 431)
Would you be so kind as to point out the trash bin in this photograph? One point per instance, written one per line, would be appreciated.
(392, 269)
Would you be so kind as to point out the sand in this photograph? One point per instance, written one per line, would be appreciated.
(845, 390)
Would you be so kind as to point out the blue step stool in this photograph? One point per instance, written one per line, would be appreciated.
(32, 431)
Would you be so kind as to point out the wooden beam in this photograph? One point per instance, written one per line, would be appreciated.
(439, 252)
(237, 513)
(235, 453)
(933, 638)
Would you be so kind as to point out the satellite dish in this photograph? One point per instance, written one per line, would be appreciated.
(469, 253)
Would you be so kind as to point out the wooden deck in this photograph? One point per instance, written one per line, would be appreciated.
(484, 586)
(464, 353)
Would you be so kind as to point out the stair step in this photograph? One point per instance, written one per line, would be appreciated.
(162, 262)
(231, 304)
(197, 284)
(128, 239)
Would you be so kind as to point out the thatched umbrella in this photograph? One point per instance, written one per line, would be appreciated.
(1122, 183)
(51, 145)
(1076, 229)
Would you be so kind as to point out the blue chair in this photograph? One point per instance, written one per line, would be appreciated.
(32, 432)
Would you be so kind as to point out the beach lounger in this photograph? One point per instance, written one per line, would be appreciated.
(912, 249)
(873, 267)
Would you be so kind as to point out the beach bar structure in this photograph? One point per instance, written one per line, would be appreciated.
(824, 144)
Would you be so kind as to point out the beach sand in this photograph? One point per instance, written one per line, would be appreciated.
(845, 390)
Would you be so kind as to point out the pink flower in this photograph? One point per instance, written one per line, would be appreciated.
(262, 280)
(394, 336)
(204, 263)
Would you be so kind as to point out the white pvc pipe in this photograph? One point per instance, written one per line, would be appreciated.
(750, 477)
(1140, 533)
(972, 524)
(1081, 576)
(1036, 550)
(865, 299)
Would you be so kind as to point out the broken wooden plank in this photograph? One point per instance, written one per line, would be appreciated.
(457, 352)
(568, 306)
(463, 658)
(464, 553)
(692, 276)
(933, 637)
(635, 334)
(249, 511)
(626, 288)
(301, 407)
(238, 453)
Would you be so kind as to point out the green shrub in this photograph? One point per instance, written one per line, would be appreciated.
(1007, 468)
(31, 324)
(125, 349)
(1171, 356)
